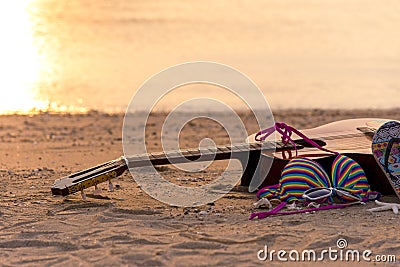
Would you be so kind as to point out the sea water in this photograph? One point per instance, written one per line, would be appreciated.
(95, 54)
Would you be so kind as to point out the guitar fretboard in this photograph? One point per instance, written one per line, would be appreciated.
(201, 154)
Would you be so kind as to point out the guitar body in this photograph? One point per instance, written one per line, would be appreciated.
(349, 137)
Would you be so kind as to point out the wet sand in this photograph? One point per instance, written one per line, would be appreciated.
(128, 228)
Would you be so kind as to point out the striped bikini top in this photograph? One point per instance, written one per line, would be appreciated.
(301, 174)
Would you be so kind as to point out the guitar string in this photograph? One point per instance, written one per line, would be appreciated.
(247, 147)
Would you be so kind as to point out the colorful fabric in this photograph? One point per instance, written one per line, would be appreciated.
(301, 174)
(386, 150)
(348, 174)
(298, 175)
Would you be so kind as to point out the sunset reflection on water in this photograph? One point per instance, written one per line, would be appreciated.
(78, 55)
(20, 61)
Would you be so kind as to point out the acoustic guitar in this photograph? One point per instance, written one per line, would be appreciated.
(266, 159)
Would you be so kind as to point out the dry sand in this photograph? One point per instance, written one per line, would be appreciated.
(128, 228)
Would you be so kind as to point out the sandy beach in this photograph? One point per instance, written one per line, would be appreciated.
(128, 228)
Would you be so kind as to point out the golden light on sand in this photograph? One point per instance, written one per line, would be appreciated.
(19, 60)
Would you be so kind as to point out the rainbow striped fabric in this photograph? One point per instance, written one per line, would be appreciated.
(301, 174)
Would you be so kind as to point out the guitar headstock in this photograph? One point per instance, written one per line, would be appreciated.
(87, 178)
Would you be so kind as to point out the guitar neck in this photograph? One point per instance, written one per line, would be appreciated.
(201, 154)
(109, 170)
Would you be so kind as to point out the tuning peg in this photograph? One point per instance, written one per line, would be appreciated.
(110, 186)
(96, 190)
(83, 195)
